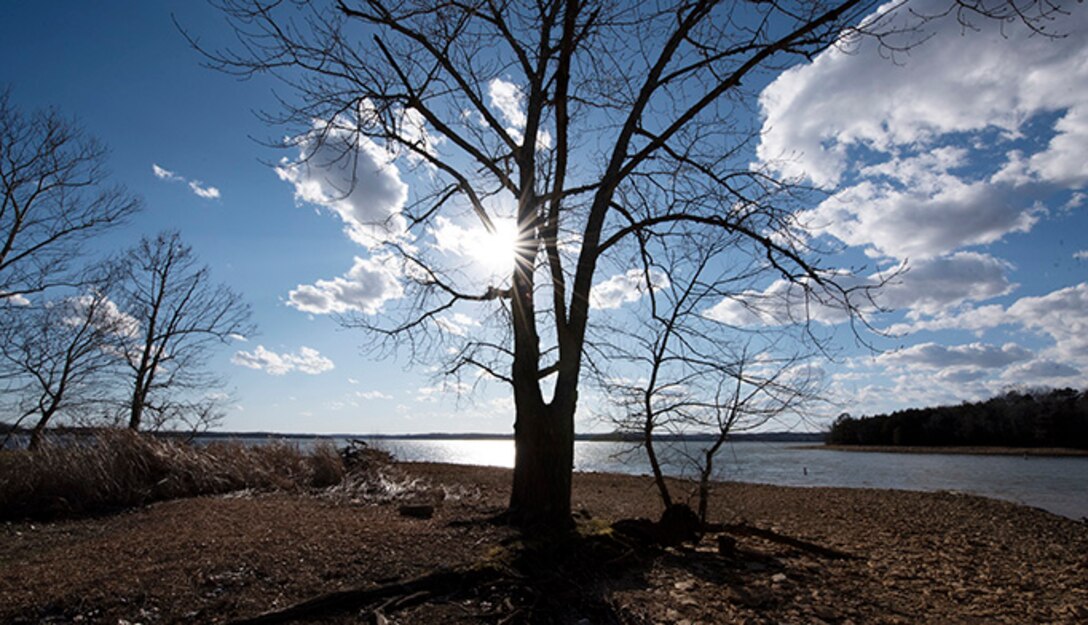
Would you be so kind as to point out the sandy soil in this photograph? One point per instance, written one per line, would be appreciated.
(916, 558)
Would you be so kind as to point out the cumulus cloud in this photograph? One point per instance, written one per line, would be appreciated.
(923, 288)
(1039, 371)
(1062, 315)
(973, 355)
(196, 186)
(626, 287)
(508, 99)
(365, 288)
(934, 285)
(1081, 255)
(306, 360)
(920, 221)
(353, 177)
(879, 132)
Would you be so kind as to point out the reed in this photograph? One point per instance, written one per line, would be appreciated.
(112, 469)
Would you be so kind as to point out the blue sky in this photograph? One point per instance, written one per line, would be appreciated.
(967, 159)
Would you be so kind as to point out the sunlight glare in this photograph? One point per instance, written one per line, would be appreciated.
(495, 251)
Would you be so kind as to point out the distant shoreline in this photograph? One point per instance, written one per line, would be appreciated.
(968, 450)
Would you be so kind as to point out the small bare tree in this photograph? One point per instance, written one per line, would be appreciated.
(53, 198)
(679, 378)
(61, 356)
(180, 316)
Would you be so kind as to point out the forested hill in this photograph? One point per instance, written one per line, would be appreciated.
(1050, 418)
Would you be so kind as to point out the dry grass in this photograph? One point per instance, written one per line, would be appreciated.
(118, 469)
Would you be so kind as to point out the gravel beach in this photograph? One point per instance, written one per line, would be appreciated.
(912, 558)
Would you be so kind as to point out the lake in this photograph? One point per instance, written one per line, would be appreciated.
(1056, 484)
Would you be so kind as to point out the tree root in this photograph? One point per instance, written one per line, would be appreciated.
(392, 596)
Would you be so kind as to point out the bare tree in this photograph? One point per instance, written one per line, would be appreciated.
(53, 197)
(695, 381)
(180, 315)
(602, 123)
(61, 356)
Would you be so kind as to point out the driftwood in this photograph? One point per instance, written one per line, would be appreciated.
(743, 529)
(391, 596)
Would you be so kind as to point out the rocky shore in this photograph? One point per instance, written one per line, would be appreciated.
(907, 558)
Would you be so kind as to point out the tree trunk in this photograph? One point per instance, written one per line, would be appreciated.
(137, 411)
(655, 465)
(544, 449)
(36, 435)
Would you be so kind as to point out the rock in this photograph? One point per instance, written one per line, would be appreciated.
(778, 578)
(417, 511)
(727, 545)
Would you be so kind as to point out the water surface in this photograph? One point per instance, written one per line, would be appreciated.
(1056, 484)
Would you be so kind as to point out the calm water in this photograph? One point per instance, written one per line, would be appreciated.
(1059, 485)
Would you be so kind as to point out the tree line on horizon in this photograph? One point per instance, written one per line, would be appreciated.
(1028, 418)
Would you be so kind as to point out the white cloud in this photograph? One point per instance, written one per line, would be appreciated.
(1041, 371)
(353, 177)
(457, 324)
(931, 286)
(967, 318)
(882, 128)
(432, 393)
(208, 193)
(1063, 316)
(1081, 255)
(165, 174)
(624, 288)
(196, 186)
(920, 221)
(925, 288)
(372, 395)
(973, 355)
(507, 98)
(14, 300)
(108, 316)
(307, 360)
(1060, 315)
(364, 288)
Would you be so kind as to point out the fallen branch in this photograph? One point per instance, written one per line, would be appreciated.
(742, 529)
(394, 595)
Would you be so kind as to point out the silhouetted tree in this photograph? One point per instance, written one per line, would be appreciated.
(690, 376)
(616, 123)
(54, 196)
(62, 356)
(179, 316)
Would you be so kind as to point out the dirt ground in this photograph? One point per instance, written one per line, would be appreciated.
(909, 558)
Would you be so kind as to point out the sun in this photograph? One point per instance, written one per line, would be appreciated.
(494, 251)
